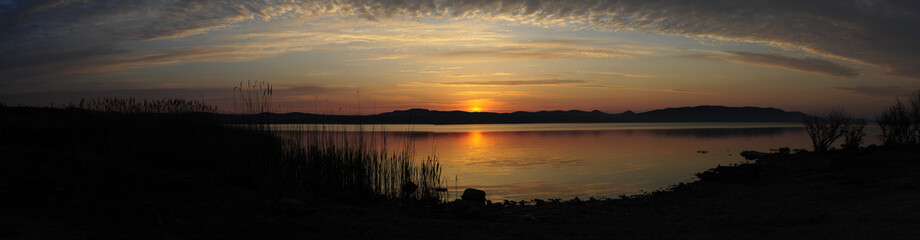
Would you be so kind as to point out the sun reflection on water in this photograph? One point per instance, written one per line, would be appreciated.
(475, 139)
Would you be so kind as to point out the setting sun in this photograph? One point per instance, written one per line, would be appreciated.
(477, 105)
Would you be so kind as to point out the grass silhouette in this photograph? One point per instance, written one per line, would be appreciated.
(357, 162)
(185, 137)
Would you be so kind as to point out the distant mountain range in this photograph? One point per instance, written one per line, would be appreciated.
(425, 116)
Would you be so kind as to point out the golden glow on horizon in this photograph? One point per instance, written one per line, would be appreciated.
(477, 105)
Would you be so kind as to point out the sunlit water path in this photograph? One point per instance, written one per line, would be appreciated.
(527, 161)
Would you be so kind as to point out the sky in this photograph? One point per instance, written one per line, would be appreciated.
(353, 56)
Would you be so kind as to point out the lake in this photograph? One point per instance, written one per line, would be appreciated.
(528, 161)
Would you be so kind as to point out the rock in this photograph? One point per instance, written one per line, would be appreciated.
(408, 188)
(476, 195)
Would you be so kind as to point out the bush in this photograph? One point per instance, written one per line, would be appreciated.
(915, 116)
(137, 106)
(895, 124)
(900, 123)
(853, 134)
(824, 128)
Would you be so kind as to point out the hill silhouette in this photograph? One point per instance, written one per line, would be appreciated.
(425, 116)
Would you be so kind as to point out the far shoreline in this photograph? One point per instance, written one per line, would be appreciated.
(425, 116)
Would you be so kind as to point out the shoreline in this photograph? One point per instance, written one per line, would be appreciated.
(58, 191)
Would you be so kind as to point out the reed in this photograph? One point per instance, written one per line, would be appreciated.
(358, 162)
(134, 105)
(354, 161)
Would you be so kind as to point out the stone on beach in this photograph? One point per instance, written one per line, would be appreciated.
(471, 194)
(408, 188)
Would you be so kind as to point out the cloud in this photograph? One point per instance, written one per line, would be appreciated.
(545, 50)
(319, 74)
(222, 97)
(477, 75)
(423, 71)
(104, 59)
(498, 93)
(614, 74)
(387, 57)
(880, 33)
(558, 83)
(813, 65)
(539, 82)
(878, 91)
(439, 70)
(810, 65)
(63, 61)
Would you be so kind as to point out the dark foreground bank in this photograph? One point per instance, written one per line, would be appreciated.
(178, 184)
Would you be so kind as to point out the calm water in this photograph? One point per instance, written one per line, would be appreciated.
(527, 161)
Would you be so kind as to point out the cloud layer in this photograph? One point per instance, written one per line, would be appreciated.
(810, 65)
(878, 91)
(55, 36)
(539, 82)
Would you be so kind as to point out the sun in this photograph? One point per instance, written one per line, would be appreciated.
(477, 105)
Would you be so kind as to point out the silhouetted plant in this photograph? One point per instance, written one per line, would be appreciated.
(896, 124)
(783, 150)
(853, 133)
(134, 105)
(253, 98)
(824, 128)
(359, 162)
(324, 160)
(915, 116)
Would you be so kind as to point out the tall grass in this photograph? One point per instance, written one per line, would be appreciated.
(253, 98)
(134, 105)
(317, 160)
(359, 162)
